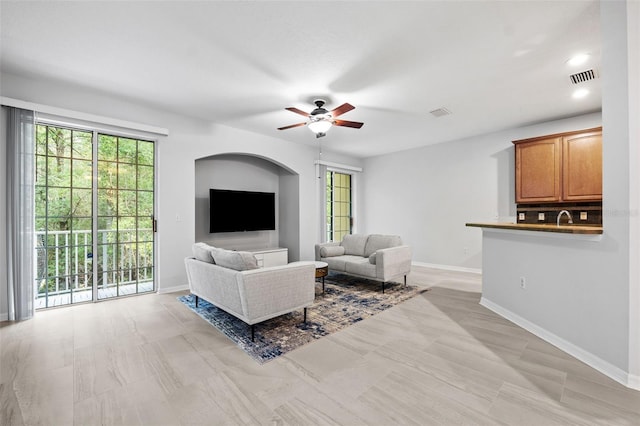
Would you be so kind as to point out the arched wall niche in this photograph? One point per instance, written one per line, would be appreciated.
(245, 172)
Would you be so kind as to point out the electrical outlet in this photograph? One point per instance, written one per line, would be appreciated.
(540, 216)
(520, 216)
(523, 282)
(583, 215)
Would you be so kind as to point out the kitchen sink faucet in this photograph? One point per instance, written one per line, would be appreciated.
(560, 215)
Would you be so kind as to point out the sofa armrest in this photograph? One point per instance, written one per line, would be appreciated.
(215, 284)
(319, 246)
(392, 262)
(273, 291)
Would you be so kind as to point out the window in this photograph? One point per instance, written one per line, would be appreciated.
(339, 206)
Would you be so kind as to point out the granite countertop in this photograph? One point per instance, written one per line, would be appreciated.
(545, 227)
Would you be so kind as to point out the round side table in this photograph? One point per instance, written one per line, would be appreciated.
(322, 269)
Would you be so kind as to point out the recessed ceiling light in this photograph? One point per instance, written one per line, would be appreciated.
(580, 93)
(578, 60)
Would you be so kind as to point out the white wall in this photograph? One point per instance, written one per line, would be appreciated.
(575, 296)
(289, 215)
(189, 139)
(428, 194)
(633, 57)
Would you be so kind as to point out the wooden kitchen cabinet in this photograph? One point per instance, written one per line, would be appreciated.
(559, 168)
(582, 167)
(538, 165)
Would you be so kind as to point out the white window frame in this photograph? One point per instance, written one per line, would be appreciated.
(321, 168)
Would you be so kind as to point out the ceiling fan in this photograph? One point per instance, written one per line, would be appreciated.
(321, 120)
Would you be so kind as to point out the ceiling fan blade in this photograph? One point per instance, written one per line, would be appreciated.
(297, 111)
(345, 123)
(341, 110)
(291, 126)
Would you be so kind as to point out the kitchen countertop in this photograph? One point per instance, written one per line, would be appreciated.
(544, 227)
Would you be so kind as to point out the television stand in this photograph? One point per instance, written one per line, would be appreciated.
(266, 257)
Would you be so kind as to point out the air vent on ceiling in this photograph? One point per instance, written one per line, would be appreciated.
(440, 112)
(583, 76)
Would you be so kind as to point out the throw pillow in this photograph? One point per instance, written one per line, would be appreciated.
(331, 251)
(372, 259)
(236, 260)
(354, 244)
(203, 252)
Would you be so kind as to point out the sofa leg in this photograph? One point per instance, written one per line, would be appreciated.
(253, 332)
(305, 315)
(405, 280)
(382, 287)
(196, 301)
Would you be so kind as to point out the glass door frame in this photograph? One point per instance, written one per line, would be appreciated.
(95, 132)
(98, 248)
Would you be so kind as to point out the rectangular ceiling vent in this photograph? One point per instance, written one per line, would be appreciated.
(583, 76)
(440, 112)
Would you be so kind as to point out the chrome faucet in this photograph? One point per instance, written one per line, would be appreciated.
(560, 215)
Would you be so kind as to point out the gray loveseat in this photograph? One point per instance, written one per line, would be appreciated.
(377, 257)
(232, 281)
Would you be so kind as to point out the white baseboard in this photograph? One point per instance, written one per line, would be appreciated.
(588, 358)
(4, 316)
(448, 267)
(173, 289)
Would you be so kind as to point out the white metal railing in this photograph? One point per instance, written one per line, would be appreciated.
(119, 263)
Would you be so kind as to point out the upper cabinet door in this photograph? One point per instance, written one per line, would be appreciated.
(538, 165)
(582, 167)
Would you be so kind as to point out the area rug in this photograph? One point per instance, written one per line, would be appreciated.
(346, 301)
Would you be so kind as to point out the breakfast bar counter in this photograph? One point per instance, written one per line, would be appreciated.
(546, 227)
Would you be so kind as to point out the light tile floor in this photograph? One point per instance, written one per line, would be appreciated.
(439, 358)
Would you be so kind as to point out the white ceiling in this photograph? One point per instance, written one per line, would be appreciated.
(493, 64)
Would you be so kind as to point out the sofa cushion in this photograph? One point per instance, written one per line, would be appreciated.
(203, 252)
(331, 251)
(339, 263)
(354, 244)
(361, 267)
(237, 260)
(372, 258)
(377, 242)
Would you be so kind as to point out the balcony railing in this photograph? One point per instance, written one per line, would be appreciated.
(65, 260)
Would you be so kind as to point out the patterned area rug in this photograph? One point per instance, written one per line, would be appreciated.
(346, 300)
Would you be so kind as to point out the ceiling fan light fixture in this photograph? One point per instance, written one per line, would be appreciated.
(320, 120)
(319, 126)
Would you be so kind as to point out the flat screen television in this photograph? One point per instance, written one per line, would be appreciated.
(239, 211)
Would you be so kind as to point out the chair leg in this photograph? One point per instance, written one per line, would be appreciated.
(305, 315)
(196, 301)
(405, 280)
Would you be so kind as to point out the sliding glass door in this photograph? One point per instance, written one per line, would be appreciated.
(63, 216)
(94, 216)
(125, 216)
